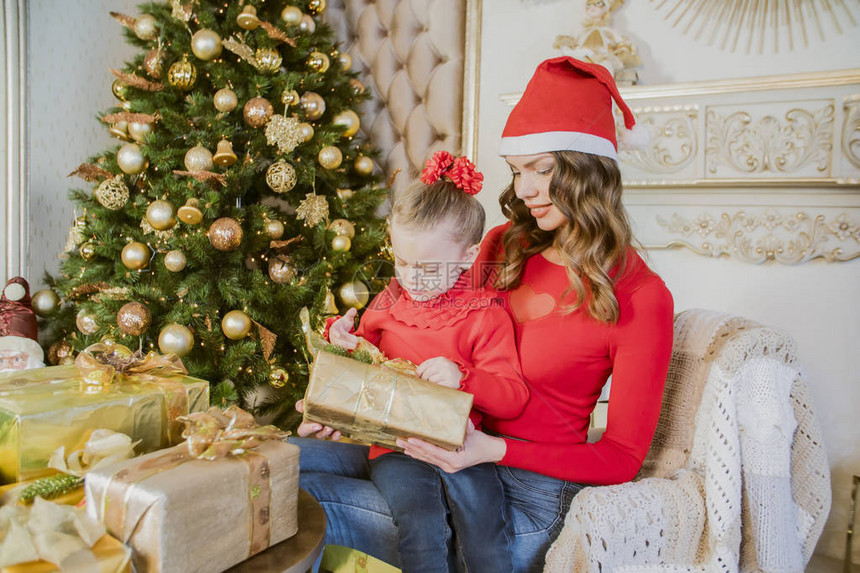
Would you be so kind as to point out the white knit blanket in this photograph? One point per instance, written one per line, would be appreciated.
(737, 478)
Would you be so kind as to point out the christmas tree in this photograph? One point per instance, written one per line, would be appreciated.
(238, 195)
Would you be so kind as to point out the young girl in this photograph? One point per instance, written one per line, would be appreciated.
(460, 338)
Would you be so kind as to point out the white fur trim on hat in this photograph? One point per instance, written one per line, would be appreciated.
(535, 143)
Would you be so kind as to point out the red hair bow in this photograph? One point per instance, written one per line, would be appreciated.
(459, 171)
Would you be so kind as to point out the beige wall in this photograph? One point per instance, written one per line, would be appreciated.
(815, 301)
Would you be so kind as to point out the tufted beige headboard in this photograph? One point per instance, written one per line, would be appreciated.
(411, 56)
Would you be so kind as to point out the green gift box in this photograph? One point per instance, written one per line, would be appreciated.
(45, 408)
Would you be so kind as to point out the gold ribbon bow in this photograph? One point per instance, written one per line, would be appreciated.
(100, 363)
(215, 433)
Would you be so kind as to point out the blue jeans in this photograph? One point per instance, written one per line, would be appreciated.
(427, 502)
(338, 476)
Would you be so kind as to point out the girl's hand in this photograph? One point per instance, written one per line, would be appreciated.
(339, 333)
(478, 448)
(440, 371)
(314, 429)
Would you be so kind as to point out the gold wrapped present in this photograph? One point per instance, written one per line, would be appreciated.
(107, 387)
(49, 537)
(378, 404)
(227, 493)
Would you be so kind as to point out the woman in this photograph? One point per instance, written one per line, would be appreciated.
(585, 306)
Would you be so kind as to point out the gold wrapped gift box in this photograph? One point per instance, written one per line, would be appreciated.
(379, 404)
(112, 556)
(44, 408)
(185, 515)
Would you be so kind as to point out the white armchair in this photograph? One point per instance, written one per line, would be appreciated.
(737, 478)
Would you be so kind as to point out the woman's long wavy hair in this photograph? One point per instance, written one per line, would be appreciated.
(586, 188)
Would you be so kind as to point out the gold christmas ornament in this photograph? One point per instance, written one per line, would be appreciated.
(291, 16)
(112, 193)
(224, 155)
(133, 318)
(161, 215)
(329, 305)
(236, 325)
(257, 111)
(198, 158)
(248, 20)
(342, 227)
(313, 104)
(341, 243)
(354, 294)
(59, 351)
(175, 339)
(190, 213)
(316, 7)
(307, 25)
(130, 159)
(284, 132)
(278, 377)
(281, 269)
(363, 165)
(119, 130)
(206, 44)
(135, 255)
(175, 261)
(86, 322)
(146, 27)
(182, 74)
(275, 229)
(267, 60)
(330, 157)
(345, 61)
(307, 131)
(225, 100)
(87, 251)
(139, 131)
(153, 63)
(349, 121)
(119, 89)
(45, 302)
(290, 97)
(281, 176)
(357, 86)
(318, 62)
(225, 234)
(313, 209)
(345, 194)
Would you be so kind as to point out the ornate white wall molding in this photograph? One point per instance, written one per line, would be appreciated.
(801, 130)
(13, 169)
(765, 236)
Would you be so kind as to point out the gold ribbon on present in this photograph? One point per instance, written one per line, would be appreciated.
(209, 436)
(103, 364)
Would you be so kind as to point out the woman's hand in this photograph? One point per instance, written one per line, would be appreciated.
(340, 333)
(478, 448)
(314, 429)
(441, 371)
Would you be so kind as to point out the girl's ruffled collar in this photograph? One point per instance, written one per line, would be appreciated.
(446, 309)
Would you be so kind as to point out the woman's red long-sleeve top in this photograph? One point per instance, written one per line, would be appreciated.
(566, 360)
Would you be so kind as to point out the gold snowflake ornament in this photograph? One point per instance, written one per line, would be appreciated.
(283, 132)
(313, 209)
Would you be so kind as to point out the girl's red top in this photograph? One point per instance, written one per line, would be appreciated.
(566, 360)
(466, 325)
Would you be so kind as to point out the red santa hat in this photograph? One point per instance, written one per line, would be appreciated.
(567, 105)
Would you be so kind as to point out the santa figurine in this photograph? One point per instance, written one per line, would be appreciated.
(19, 345)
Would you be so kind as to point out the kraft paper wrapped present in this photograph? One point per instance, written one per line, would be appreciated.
(380, 402)
(227, 493)
(107, 387)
